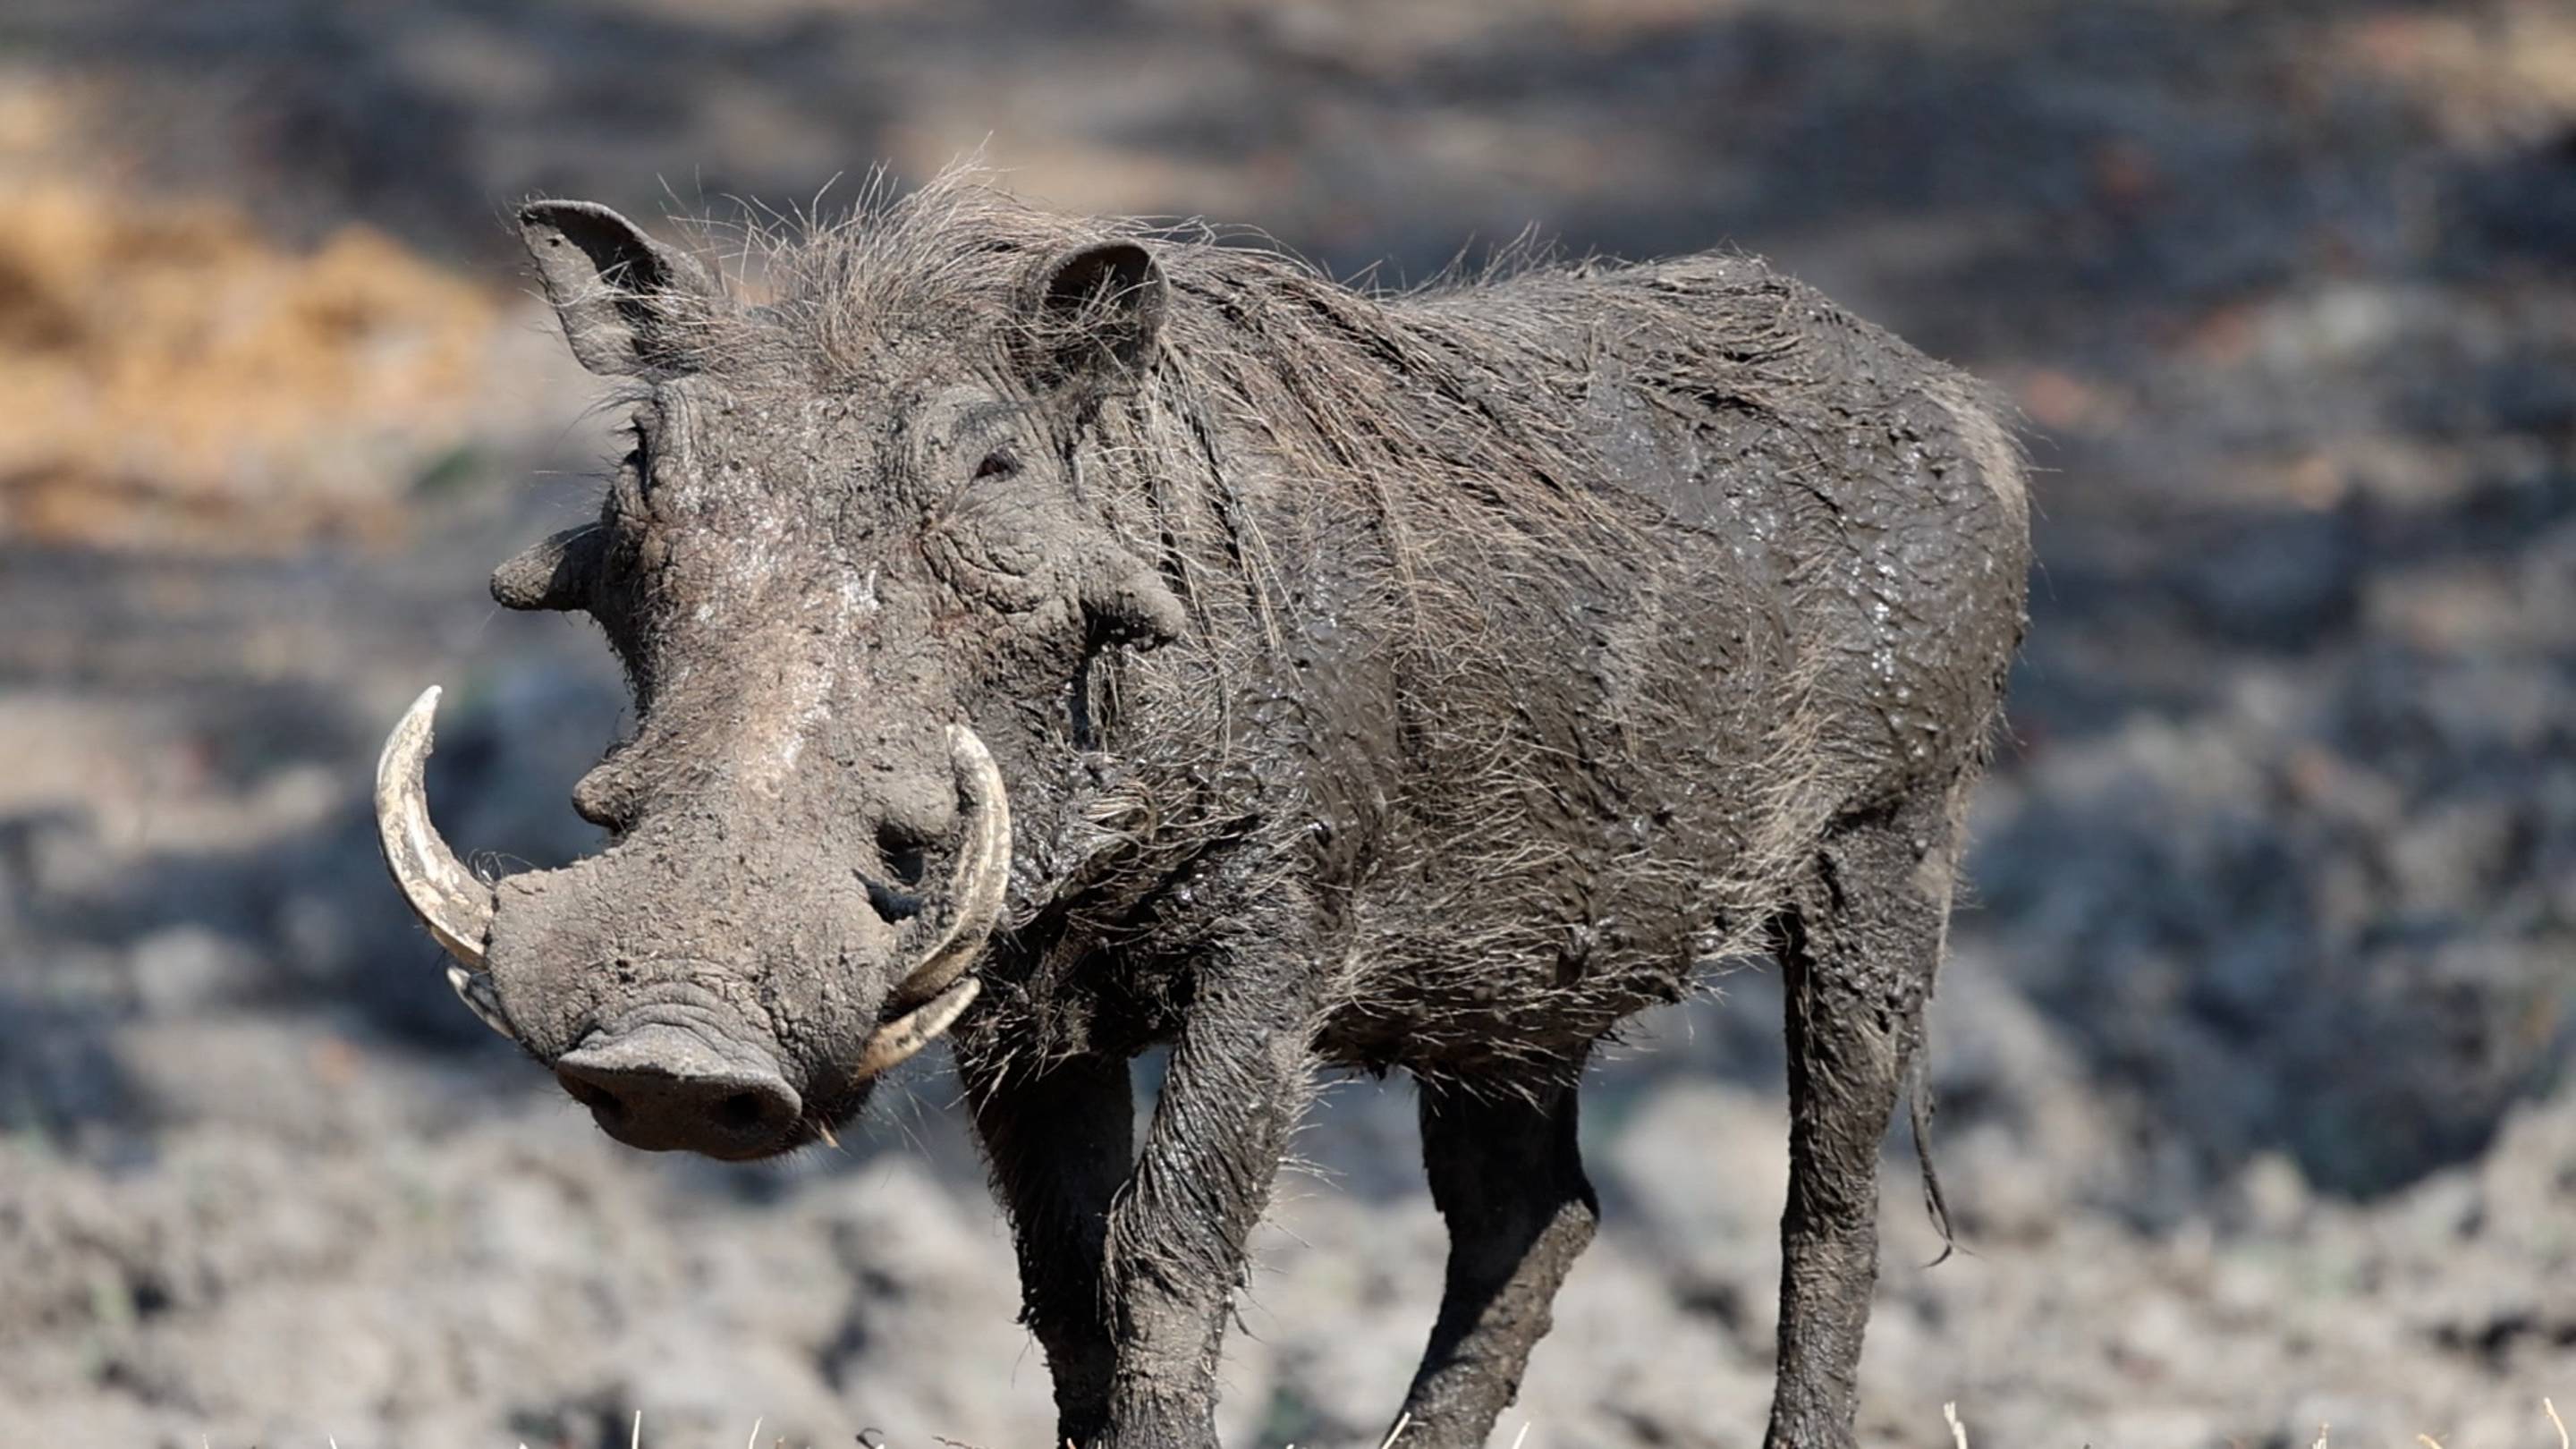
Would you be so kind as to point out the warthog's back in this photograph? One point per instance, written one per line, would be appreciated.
(1797, 598)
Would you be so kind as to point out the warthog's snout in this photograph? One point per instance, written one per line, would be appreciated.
(734, 1002)
(665, 1089)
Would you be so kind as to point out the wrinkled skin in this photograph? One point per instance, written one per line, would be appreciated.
(789, 773)
(795, 669)
(1774, 667)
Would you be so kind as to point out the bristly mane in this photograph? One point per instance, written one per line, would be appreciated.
(1447, 420)
(1447, 417)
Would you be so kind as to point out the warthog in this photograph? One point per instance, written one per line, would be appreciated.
(1068, 637)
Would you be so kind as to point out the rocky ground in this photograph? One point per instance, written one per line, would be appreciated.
(2252, 1053)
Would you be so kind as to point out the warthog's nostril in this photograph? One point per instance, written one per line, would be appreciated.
(664, 1089)
(742, 1111)
(595, 1098)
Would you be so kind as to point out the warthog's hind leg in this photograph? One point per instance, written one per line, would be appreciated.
(1858, 954)
(1506, 1175)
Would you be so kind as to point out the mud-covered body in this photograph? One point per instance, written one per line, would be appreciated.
(1774, 607)
(1295, 677)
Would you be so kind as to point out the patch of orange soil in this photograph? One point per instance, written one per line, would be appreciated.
(171, 378)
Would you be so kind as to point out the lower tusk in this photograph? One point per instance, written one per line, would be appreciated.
(897, 1040)
(477, 992)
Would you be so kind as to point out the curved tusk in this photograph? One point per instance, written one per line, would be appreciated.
(455, 906)
(481, 998)
(898, 1039)
(981, 878)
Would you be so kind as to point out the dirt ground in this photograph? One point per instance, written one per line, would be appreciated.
(2252, 1053)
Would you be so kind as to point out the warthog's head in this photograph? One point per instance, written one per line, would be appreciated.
(820, 580)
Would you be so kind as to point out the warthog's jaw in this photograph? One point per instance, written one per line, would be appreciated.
(634, 1078)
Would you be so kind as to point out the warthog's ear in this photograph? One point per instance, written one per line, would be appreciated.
(619, 293)
(1094, 314)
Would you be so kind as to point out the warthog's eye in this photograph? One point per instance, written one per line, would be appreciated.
(997, 464)
(904, 854)
(905, 862)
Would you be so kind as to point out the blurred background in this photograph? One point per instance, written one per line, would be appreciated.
(2252, 1050)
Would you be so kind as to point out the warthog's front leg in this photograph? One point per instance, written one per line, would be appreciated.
(1061, 1143)
(1239, 1076)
